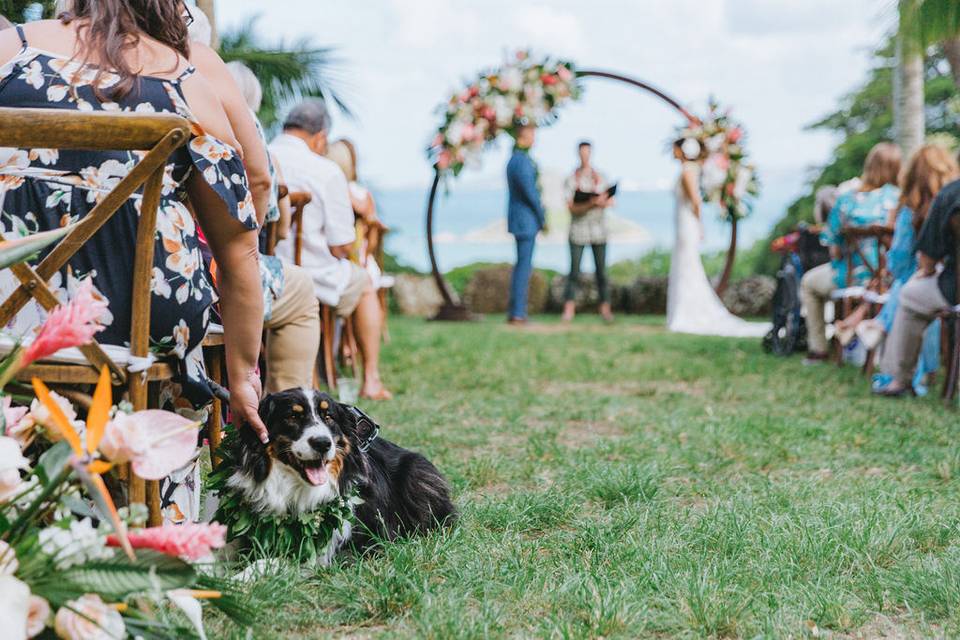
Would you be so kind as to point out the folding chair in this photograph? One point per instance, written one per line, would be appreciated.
(159, 135)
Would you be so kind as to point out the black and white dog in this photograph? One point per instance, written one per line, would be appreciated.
(321, 450)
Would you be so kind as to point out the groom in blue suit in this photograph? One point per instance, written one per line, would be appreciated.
(525, 219)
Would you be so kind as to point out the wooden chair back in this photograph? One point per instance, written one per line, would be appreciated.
(328, 320)
(298, 200)
(156, 134)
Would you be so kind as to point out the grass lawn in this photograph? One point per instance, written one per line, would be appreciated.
(623, 482)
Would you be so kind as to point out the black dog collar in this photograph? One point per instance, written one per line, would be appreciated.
(367, 429)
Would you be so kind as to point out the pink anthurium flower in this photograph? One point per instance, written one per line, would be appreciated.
(155, 443)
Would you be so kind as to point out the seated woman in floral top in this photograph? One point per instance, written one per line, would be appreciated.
(871, 204)
(132, 56)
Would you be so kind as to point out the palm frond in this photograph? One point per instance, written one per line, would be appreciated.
(924, 23)
(288, 72)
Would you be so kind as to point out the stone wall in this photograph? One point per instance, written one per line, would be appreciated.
(488, 291)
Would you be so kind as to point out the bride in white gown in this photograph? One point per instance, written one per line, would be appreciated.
(692, 304)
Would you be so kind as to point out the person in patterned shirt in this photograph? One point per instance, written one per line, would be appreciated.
(588, 227)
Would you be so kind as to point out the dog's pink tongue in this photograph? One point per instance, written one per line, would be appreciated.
(316, 475)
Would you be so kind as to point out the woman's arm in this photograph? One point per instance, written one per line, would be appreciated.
(235, 249)
(691, 189)
(213, 69)
(286, 215)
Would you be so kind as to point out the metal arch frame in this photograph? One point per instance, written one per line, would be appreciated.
(451, 310)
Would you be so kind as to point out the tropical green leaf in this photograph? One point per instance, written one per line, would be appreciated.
(287, 72)
(16, 251)
(118, 578)
(53, 461)
(928, 22)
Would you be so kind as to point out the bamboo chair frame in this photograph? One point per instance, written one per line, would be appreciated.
(159, 135)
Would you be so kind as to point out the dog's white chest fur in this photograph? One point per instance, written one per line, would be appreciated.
(283, 491)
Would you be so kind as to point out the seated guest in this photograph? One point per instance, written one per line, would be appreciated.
(291, 314)
(868, 205)
(328, 233)
(369, 227)
(132, 55)
(930, 168)
(926, 294)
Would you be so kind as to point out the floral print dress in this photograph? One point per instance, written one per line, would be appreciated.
(42, 189)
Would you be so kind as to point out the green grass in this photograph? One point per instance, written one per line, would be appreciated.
(621, 482)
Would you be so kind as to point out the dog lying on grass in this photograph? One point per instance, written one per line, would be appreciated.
(322, 452)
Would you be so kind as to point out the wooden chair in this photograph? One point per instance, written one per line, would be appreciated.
(159, 135)
(848, 297)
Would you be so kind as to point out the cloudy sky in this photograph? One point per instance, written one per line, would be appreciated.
(779, 63)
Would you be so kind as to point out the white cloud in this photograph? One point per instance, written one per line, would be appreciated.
(547, 28)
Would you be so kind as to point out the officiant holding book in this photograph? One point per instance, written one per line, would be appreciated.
(588, 198)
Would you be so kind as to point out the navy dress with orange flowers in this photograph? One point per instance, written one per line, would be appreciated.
(43, 189)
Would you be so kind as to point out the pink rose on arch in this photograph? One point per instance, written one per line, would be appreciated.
(549, 79)
(564, 73)
(437, 141)
(443, 160)
(734, 135)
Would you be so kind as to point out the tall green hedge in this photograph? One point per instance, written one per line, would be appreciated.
(13, 9)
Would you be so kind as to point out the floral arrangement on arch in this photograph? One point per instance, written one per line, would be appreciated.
(727, 178)
(71, 563)
(522, 91)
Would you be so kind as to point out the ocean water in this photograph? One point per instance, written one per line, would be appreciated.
(470, 226)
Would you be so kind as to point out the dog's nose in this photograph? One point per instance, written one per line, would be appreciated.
(320, 444)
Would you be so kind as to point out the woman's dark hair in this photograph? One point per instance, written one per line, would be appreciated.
(111, 28)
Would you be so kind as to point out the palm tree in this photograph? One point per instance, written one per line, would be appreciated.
(287, 73)
(925, 23)
(908, 97)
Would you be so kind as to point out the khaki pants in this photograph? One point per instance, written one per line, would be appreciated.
(293, 336)
(815, 290)
(920, 302)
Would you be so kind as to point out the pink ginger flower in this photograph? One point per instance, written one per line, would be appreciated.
(189, 541)
(70, 325)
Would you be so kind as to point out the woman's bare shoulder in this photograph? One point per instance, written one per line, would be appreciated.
(207, 61)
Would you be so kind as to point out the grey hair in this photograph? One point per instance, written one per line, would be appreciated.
(249, 84)
(311, 115)
(200, 29)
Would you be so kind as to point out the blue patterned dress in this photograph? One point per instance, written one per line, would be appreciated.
(44, 189)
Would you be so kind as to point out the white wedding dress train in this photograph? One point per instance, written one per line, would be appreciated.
(692, 304)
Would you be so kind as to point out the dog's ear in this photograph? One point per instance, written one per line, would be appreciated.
(255, 458)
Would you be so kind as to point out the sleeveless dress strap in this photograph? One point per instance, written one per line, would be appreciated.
(23, 37)
(189, 71)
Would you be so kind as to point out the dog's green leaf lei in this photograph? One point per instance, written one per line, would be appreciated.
(303, 536)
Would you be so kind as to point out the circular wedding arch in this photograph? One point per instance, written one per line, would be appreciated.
(451, 310)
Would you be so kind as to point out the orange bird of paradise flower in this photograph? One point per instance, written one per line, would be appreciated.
(86, 464)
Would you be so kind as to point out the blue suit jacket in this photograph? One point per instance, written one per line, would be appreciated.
(525, 214)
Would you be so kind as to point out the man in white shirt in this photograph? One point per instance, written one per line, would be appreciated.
(328, 233)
